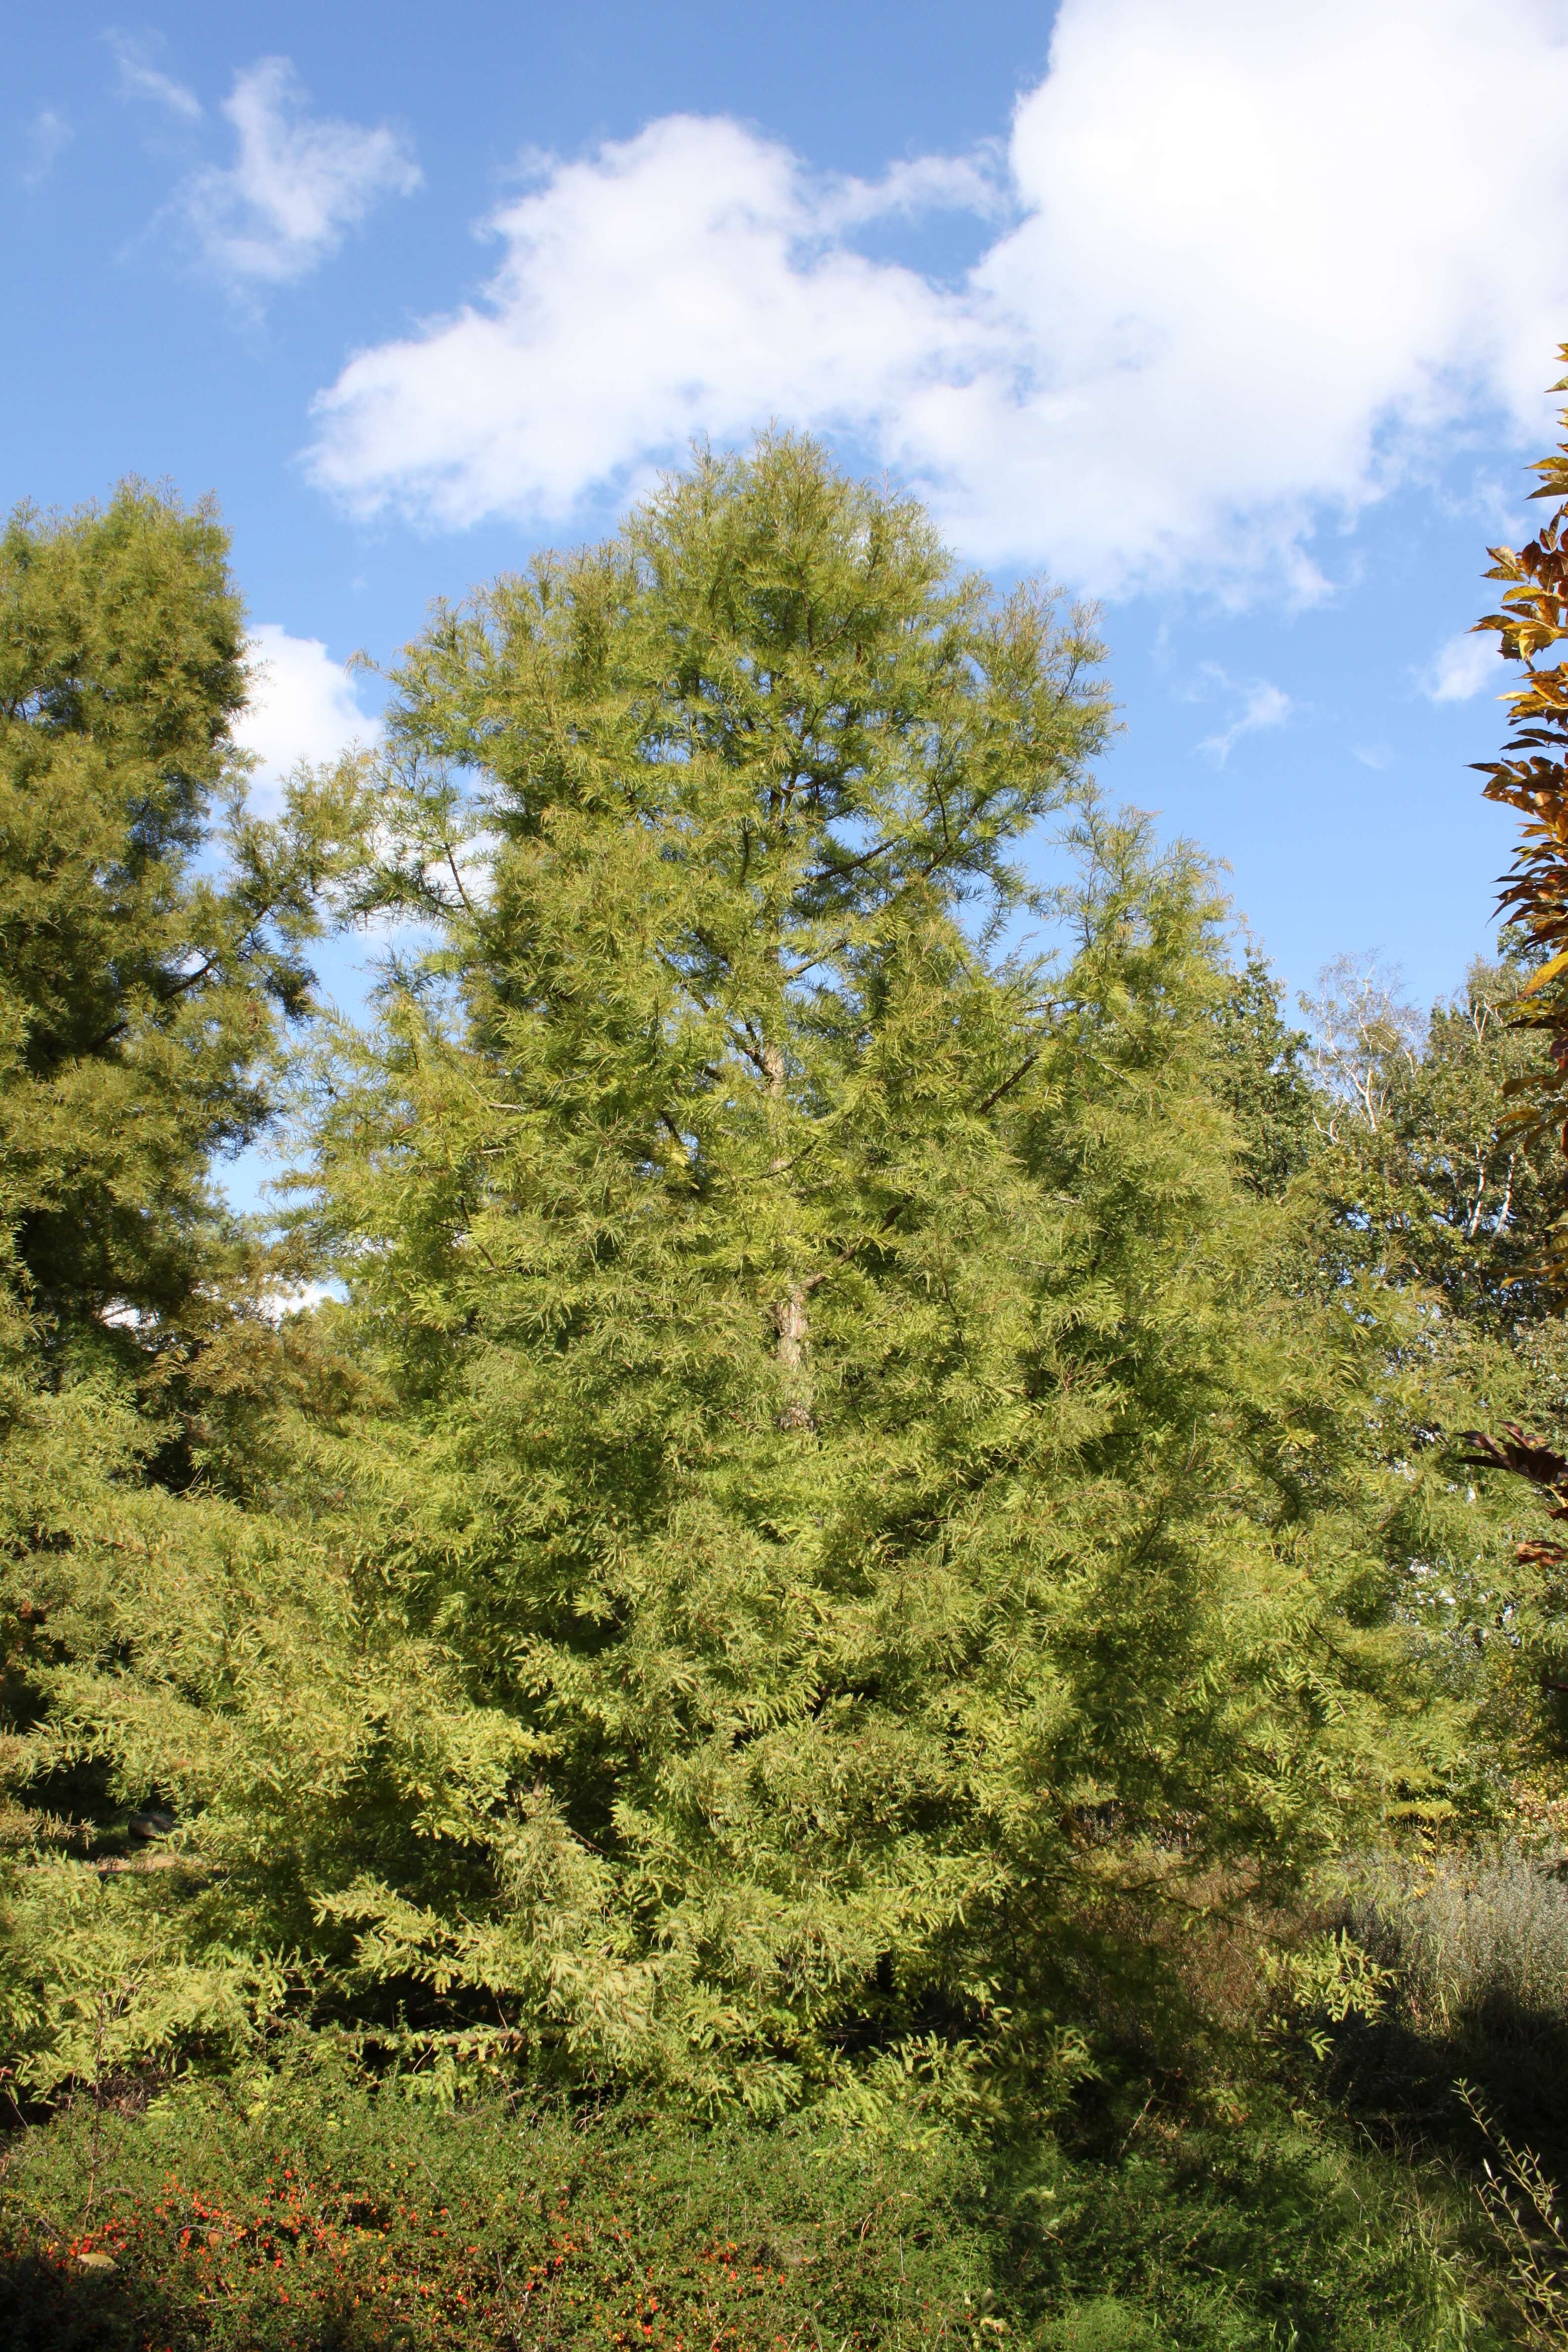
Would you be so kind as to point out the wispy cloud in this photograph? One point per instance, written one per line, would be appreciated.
(978, 183)
(1466, 666)
(1256, 704)
(298, 182)
(43, 142)
(1118, 389)
(139, 78)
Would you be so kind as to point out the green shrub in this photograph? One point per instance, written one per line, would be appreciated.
(318, 2213)
(1106, 2325)
(1272, 2229)
(308, 2210)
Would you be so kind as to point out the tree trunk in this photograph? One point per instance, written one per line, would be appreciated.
(790, 1319)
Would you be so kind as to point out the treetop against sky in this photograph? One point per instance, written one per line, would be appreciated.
(1240, 320)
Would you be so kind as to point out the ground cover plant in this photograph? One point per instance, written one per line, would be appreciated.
(316, 2215)
(337, 2220)
(863, 1670)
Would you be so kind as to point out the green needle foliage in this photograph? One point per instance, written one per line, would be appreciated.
(855, 1452)
(153, 930)
(846, 1509)
(152, 956)
(121, 667)
(867, 1507)
(140, 989)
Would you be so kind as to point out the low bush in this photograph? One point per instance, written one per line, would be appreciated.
(1265, 2229)
(307, 2209)
(319, 2213)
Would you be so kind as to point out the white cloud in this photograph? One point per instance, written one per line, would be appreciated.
(297, 180)
(1256, 704)
(929, 183)
(302, 705)
(656, 291)
(139, 78)
(297, 1298)
(1466, 666)
(1258, 260)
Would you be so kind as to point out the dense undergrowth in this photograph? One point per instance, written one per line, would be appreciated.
(316, 2211)
(1250, 2163)
(1477, 1945)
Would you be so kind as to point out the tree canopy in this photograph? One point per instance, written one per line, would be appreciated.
(854, 1462)
(862, 1467)
(140, 989)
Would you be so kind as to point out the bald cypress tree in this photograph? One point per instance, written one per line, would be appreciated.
(154, 929)
(862, 1471)
(860, 1524)
(153, 932)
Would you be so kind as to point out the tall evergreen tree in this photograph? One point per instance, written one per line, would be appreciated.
(861, 1457)
(140, 986)
(1264, 1081)
(852, 1514)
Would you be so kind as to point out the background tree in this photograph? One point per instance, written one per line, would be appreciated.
(152, 952)
(152, 928)
(1263, 1080)
(139, 983)
(1423, 1166)
(1531, 777)
(1425, 1179)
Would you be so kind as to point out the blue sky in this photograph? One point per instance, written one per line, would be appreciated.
(1238, 319)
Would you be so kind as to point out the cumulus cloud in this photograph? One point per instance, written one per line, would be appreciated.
(302, 707)
(297, 183)
(1466, 666)
(1254, 262)
(659, 290)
